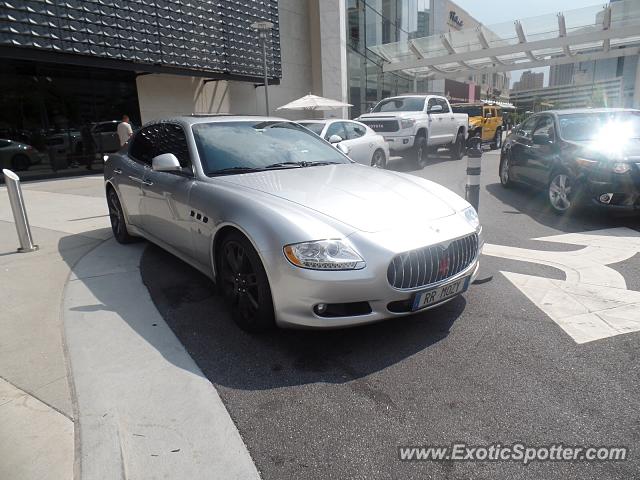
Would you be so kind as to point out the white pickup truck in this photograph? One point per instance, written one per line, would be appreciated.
(418, 124)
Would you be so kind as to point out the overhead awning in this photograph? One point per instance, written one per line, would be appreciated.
(588, 33)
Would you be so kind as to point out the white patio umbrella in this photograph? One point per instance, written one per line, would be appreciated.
(313, 102)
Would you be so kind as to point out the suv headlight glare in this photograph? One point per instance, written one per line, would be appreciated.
(324, 255)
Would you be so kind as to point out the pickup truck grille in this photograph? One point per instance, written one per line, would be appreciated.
(382, 125)
(427, 265)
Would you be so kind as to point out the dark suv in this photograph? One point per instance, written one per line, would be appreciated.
(580, 157)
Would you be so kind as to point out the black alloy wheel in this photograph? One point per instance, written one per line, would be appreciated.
(116, 216)
(244, 285)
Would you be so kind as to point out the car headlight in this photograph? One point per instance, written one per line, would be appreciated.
(621, 167)
(407, 123)
(471, 216)
(324, 255)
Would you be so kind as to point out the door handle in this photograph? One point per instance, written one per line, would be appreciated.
(117, 171)
(147, 182)
(440, 119)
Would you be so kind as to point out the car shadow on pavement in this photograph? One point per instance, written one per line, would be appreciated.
(529, 201)
(232, 358)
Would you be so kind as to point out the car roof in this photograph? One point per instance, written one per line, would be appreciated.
(326, 120)
(194, 119)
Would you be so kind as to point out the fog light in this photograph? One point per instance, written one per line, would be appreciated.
(606, 197)
(320, 308)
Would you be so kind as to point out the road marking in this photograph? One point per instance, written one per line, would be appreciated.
(593, 302)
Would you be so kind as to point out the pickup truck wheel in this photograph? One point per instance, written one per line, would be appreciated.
(420, 152)
(457, 149)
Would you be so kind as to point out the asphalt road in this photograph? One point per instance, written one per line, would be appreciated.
(487, 367)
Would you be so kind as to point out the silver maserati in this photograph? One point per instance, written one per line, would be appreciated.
(292, 232)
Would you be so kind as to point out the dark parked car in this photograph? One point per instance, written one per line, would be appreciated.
(579, 157)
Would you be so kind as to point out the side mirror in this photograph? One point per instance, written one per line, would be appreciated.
(435, 109)
(167, 162)
(541, 139)
(335, 139)
(343, 148)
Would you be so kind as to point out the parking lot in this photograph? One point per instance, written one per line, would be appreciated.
(504, 363)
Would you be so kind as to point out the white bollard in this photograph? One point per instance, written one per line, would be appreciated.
(19, 212)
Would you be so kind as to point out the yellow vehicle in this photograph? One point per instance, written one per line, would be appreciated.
(485, 121)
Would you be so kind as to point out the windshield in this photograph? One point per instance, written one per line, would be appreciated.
(588, 126)
(404, 104)
(256, 145)
(471, 110)
(314, 127)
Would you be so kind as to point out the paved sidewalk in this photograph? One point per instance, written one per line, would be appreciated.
(136, 405)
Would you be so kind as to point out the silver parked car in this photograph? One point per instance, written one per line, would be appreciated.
(18, 156)
(292, 231)
(358, 141)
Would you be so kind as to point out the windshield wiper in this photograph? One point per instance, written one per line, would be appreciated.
(232, 170)
(314, 164)
(285, 165)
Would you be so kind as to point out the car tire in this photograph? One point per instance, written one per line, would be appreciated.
(562, 192)
(497, 140)
(20, 163)
(379, 159)
(504, 171)
(243, 283)
(456, 151)
(117, 218)
(420, 152)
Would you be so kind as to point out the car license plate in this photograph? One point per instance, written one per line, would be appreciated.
(436, 295)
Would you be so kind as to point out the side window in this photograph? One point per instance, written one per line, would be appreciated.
(527, 127)
(336, 128)
(494, 113)
(545, 127)
(354, 130)
(432, 103)
(142, 148)
(445, 105)
(173, 140)
(107, 127)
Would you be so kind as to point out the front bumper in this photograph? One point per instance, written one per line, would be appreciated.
(399, 143)
(623, 190)
(296, 291)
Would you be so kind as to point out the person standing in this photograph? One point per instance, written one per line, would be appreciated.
(124, 130)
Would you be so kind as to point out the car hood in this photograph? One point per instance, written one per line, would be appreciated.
(364, 198)
(629, 150)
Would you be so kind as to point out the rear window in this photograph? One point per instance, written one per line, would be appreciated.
(314, 127)
(403, 104)
(471, 110)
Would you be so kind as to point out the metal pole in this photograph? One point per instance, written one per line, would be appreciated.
(266, 74)
(19, 212)
(474, 157)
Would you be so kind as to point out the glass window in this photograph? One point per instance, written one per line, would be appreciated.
(432, 103)
(258, 144)
(400, 104)
(173, 141)
(545, 127)
(142, 147)
(443, 103)
(471, 110)
(106, 127)
(527, 127)
(314, 127)
(354, 130)
(336, 128)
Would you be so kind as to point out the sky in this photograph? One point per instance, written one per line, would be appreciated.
(497, 11)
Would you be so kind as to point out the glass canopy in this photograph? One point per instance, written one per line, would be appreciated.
(587, 33)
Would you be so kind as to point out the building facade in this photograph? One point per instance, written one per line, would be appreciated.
(601, 93)
(529, 81)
